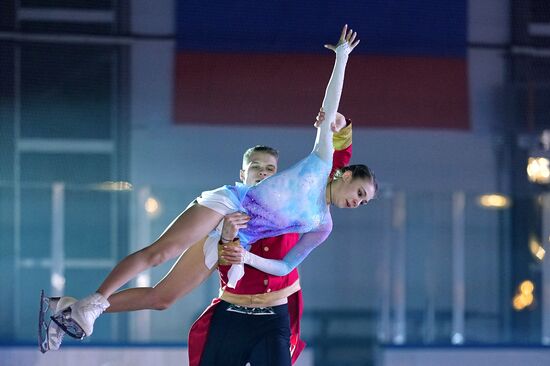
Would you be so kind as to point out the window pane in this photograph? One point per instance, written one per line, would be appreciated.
(36, 221)
(69, 168)
(66, 91)
(88, 224)
(67, 27)
(31, 281)
(6, 111)
(74, 4)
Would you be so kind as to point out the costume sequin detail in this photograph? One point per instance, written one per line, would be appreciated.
(292, 201)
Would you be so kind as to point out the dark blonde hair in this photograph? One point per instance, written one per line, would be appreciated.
(358, 171)
(259, 148)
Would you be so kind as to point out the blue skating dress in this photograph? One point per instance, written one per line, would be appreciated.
(292, 201)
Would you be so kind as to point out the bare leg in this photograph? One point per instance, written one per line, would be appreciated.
(190, 227)
(187, 273)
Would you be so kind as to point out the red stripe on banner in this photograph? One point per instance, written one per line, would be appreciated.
(415, 92)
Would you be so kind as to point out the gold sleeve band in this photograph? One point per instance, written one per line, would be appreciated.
(342, 139)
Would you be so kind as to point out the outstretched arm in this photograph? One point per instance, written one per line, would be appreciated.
(323, 143)
(308, 242)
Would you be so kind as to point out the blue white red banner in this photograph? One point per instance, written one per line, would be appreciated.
(263, 63)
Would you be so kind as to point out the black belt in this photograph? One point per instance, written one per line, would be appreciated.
(250, 311)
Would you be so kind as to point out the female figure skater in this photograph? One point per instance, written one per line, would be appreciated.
(258, 163)
(297, 201)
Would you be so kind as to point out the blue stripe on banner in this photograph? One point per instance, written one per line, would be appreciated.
(390, 27)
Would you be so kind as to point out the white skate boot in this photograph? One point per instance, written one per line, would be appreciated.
(78, 319)
(50, 335)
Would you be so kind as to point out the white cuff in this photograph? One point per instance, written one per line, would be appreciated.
(235, 273)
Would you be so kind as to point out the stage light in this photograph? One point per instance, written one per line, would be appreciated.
(536, 248)
(494, 201)
(527, 299)
(457, 338)
(538, 164)
(152, 206)
(526, 287)
(538, 170)
(524, 296)
(113, 186)
(58, 282)
(518, 303)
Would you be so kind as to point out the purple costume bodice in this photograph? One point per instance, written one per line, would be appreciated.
(292, 201)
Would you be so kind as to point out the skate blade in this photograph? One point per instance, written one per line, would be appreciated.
(42, 326)
(65, 322)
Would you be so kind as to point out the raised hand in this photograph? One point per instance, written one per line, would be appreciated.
(346, 36)
(335, 126)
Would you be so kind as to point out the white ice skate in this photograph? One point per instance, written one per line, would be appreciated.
(78, 319)
(50, 335)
